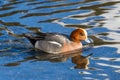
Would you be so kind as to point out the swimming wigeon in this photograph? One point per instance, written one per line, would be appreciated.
(57, 43)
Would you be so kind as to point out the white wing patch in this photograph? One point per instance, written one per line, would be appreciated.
(56, 43)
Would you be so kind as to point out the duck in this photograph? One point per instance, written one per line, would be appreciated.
(56, 43)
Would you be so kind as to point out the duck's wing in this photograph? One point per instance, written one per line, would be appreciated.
(48, 46)
(60, 38)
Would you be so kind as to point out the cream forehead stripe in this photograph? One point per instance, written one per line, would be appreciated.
(85, 32)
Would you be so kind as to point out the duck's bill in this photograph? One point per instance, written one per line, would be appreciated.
(88, 41)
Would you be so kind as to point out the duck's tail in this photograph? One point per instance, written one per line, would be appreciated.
(37, 36)
(30, 38)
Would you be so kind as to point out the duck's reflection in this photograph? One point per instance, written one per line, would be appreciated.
(50, 57)
(80, 61)
(56, 57)
(77, 58)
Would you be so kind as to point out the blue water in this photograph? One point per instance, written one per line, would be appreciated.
(100, 18)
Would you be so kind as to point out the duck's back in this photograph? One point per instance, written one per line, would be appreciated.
(61, 38)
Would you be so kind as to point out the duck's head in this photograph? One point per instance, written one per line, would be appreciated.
(78, 35)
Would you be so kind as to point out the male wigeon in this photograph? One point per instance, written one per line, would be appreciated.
(57, 43)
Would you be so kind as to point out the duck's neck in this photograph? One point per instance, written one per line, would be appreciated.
(75, 40)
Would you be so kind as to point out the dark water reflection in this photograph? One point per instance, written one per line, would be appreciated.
(101, 18)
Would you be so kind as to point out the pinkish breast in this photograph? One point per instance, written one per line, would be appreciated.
(71, 47)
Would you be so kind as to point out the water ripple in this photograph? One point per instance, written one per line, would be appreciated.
(103, 64)
(13, 12)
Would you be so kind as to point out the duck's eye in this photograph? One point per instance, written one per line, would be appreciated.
(81, 34)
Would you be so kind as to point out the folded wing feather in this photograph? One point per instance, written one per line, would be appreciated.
(48, 46)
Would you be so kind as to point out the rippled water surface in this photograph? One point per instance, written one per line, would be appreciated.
(101, 19)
